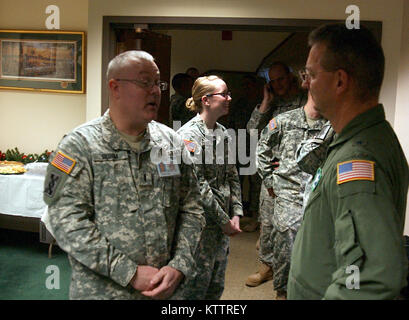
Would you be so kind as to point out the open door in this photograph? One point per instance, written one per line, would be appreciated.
(159, 46)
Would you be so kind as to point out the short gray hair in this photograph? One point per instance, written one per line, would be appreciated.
(121, 61)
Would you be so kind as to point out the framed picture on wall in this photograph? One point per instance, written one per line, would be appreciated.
(51, 61)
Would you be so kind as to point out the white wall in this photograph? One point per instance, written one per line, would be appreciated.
(402, 98)
(36, 121)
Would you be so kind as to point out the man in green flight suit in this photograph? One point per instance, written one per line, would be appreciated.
(350, 243)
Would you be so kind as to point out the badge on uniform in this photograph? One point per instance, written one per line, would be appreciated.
(190, 145)
(168, 170)
(316, 179)
(355, 170)
(63, 162)
(272, 124)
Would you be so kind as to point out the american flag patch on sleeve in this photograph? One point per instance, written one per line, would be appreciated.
(63, 162)
(190, 145)
(355, 170)
(272, 124)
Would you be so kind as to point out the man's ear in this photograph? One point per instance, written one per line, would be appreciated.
(343, 80)
(113, 87)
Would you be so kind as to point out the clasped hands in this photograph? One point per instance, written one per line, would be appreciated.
(156, 283)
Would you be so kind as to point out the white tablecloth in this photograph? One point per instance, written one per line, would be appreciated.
(22, 195)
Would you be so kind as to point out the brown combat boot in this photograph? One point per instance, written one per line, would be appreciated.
(264, 274)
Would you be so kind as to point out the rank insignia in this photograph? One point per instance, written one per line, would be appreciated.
(355, 170)
(63, 162)
(272, 124)
(190, 145)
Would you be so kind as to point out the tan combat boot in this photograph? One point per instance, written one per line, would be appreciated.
(264, 274)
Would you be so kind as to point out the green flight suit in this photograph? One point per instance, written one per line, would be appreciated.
(350, 244)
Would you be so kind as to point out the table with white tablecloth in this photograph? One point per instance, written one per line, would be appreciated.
(21, 200)
(22, 195)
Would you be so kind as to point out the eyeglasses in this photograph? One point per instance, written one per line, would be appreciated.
(148, 84)
(306, 75)
(223, 94)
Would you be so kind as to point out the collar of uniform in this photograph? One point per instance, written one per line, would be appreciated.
(111, 135)
(365, 120)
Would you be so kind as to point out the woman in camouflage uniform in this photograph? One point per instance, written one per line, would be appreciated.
(208, 143)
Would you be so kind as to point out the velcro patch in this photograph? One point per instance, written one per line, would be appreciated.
(63, 162)
(53, 182)
(190, 145)
(272, 124)
(355, 170)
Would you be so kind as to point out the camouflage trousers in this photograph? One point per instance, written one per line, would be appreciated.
(282, 246)
(211, 261)
(267, 227)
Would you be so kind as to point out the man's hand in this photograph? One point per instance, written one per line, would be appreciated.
(141, 281)
(232, 227)
(271, 192)
(164, 283)
(268, 97)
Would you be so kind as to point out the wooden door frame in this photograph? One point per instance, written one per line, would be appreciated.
(207, 23)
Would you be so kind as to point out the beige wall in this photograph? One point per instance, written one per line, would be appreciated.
(36, 121)
(206, 50)
(402, 97)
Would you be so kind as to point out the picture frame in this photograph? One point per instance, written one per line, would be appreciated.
(49, 61)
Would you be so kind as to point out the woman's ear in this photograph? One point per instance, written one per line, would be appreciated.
(205, 100)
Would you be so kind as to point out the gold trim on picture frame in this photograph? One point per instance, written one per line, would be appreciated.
(33, 63)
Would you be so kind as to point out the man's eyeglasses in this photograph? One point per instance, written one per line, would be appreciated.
(147, 84)
(304, 75)
(223, 94)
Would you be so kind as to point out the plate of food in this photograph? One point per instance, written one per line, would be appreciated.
(12, 167)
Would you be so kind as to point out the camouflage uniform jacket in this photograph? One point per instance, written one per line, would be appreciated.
(311, 154)
(219, 180)
(279, 140)
(111, 211)
(278, 105)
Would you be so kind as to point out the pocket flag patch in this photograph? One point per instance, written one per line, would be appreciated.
(355, 170)
(63, 162)
(272, 124)
(190, 145)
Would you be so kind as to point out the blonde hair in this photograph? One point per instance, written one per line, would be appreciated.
(201, 87)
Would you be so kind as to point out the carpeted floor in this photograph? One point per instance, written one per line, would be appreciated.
(24, 262)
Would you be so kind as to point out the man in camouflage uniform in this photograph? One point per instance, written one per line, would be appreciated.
(182, 84)
(311, 154)
(285, 184)
(281, 94)
(130, 226)
(221, 196)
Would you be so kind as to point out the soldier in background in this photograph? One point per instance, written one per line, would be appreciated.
(208, 142)
(281, 94)
(107, 201)
(250, 95)
(285, 184)
(182, 84)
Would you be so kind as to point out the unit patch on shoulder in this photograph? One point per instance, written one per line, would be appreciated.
(355, 170)
(272, 124)
(190, 145)
(63, 162)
